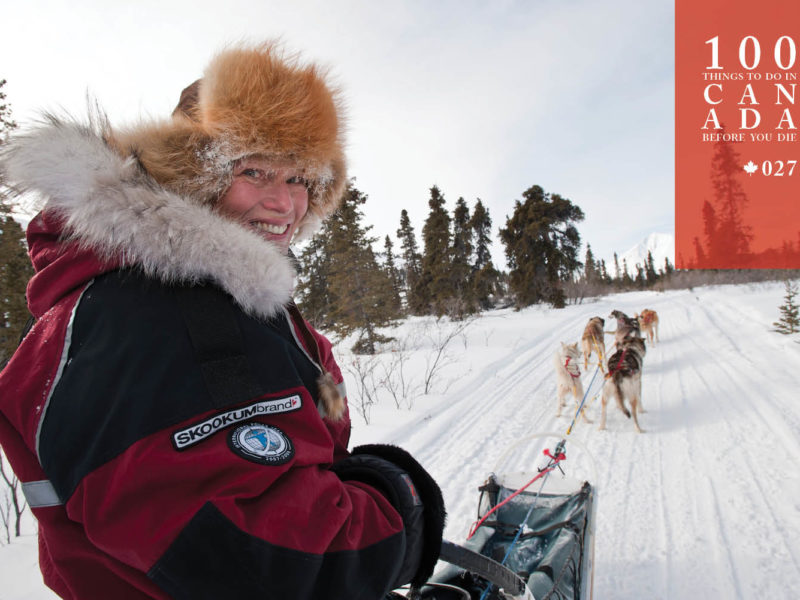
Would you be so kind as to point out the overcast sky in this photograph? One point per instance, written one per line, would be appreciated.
(483, 99)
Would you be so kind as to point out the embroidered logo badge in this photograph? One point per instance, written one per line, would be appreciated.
(198, 432)
(261, 443)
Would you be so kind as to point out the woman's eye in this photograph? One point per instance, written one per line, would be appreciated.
(252, 172)
(298, 179)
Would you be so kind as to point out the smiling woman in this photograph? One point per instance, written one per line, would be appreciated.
(179, 429)
(271, 200)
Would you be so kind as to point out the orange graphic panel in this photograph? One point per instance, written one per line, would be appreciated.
(737, 143)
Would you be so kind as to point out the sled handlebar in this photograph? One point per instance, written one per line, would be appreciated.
(485, 567)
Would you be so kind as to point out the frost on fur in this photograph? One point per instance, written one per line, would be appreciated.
(251, 101)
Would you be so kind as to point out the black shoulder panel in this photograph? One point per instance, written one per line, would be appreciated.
(132, 371)
(213, 559)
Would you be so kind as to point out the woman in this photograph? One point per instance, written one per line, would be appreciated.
(180, 430)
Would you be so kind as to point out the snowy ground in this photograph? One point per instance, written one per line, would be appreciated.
(704, 504)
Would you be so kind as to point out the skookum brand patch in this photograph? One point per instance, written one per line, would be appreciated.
(261, 443)
(185, 438)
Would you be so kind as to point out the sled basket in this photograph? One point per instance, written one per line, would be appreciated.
(553, 552)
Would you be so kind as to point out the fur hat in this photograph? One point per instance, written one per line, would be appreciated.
(251, 101)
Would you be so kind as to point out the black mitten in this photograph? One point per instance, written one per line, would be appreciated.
(415, 495)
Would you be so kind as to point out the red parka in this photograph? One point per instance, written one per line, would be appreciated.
(161, 463)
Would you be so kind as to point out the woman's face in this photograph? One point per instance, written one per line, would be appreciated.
(270, 199)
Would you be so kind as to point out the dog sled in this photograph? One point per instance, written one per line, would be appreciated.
(533, 539)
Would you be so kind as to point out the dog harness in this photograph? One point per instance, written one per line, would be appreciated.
(576, 367)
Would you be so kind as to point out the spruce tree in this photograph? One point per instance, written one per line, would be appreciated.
(15, 267)
(591, 271)
(641, 278)
(627, 280)
(360, 289)
(312, 285)
(542, 246)
(668, 268)
(437, 292)
(6, 122)
(412, 266)
(485, 277)
(604, 276)
(15, 271)
(358, 293)
(461, 263)
(393, 273)
(790, 311)
(650, 269)
(7, 125)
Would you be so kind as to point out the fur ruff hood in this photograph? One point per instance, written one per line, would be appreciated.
(109, 206)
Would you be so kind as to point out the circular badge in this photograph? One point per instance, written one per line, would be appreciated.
(261, 443)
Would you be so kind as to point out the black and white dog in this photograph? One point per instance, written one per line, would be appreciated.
(626, 327)
(624, 379)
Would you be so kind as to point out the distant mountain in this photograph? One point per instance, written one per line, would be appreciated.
(662, 245)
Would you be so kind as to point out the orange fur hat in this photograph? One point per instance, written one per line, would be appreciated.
(251, 100)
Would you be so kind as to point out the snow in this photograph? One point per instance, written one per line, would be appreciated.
(704, 504)
(19, 571)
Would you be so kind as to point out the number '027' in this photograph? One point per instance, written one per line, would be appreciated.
(750, 53)
(778, 168)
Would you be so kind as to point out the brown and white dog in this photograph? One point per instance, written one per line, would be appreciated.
(593, 340)
(568, 375)
(648, 322)
(624, 379)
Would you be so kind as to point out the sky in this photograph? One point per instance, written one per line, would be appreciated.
(482, 99)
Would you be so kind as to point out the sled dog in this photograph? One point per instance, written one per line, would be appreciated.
(626, 327)
(648, 322)
(593, 341)
(624, 379)
(568, 374)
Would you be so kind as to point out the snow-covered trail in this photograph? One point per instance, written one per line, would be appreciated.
(705, 503)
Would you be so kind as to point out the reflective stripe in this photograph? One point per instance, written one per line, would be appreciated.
(40, 494)
(62, 363)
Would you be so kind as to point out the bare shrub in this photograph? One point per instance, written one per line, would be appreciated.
(362, 368)
(395, 379)
(441, 336)
(5, 518)
(12, 504)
